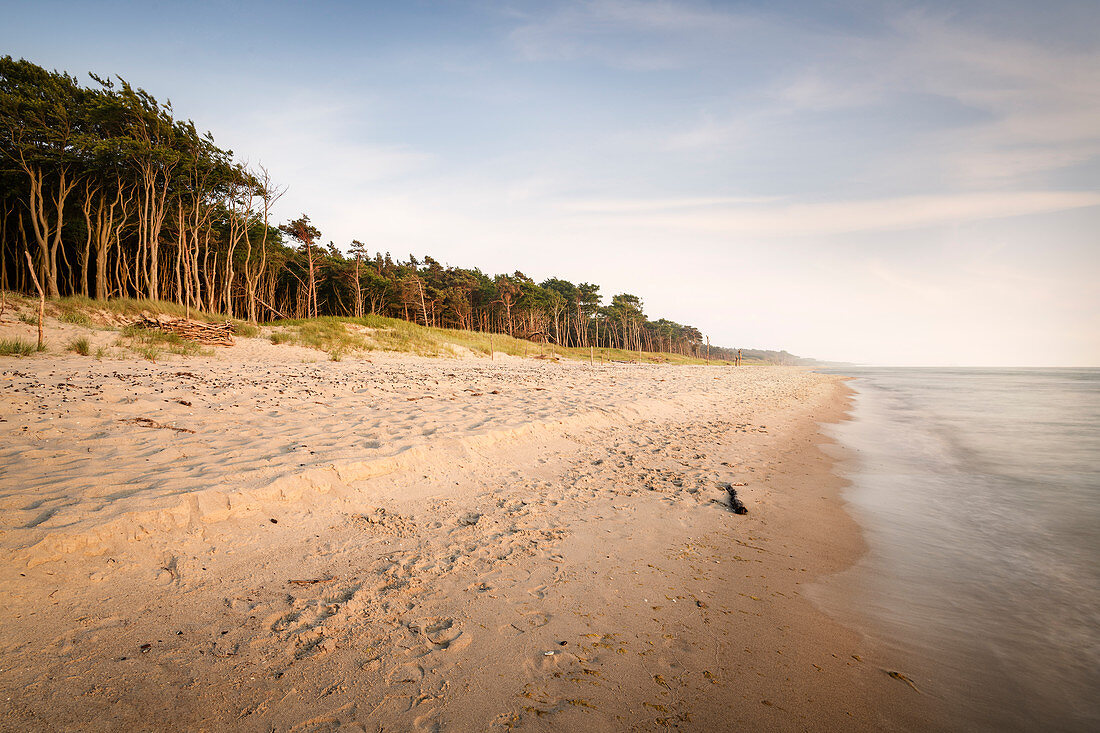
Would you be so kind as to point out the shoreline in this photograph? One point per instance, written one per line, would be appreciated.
(571, 576)
(985, 612)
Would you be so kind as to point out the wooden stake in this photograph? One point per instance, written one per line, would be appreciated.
(491, 357)
(708, 350)
(41, 299)
(591, 355)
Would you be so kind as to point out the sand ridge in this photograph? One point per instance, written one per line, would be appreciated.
(97, 449)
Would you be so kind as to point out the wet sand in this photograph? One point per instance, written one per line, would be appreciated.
(258, 541)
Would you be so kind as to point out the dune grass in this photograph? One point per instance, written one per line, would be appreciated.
(17, 347)
(76, 317)
(338, 337)
(150, 343)
(342, 336)
(78, 309)
(80, 346)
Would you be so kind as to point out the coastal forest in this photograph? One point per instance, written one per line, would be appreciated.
(106, 194)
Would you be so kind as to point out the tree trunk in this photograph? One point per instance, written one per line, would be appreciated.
(48, 237)
(358, 290)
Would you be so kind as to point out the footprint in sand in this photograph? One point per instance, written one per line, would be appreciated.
(537, 619)
(405, 674)
(428, 722)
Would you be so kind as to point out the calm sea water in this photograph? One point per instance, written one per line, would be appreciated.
(979, 494)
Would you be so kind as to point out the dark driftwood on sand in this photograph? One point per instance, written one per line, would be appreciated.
(736, 505)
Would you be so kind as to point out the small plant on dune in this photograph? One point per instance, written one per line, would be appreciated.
(29, 318)
(279, 337)
(16, 347)
(80, 346)
(100, 353)
(148, 352)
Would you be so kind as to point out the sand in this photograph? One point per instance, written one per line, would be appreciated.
(261, 540)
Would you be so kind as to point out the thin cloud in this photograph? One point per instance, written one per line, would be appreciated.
(1043, 103)
(631, 206)
(633, 34)
(825, 219)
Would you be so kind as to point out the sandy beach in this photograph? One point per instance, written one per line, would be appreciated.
(260, 540)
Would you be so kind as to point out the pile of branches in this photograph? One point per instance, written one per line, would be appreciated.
(213, 334)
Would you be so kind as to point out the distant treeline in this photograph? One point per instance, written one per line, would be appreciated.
(112, 196)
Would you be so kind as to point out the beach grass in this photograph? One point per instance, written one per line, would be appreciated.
(347, 335)
(150, 343)
(338, 337)
(80, 346)
(76, 317)
(83, 310)
(16, 347)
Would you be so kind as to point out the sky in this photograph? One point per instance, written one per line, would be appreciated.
(891, 183)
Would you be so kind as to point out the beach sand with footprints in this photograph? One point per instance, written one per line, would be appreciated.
(256, 540)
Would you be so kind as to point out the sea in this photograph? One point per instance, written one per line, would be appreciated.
(979, 494)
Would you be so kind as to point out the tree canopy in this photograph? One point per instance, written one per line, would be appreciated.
(113, 196)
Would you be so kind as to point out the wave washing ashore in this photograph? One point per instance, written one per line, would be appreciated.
(979, 491)
(250, 542)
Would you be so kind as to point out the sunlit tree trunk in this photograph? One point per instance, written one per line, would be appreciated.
(47, 233)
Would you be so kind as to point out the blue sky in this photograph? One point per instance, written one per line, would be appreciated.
(895, 183)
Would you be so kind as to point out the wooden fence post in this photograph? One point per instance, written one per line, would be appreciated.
(41, 299)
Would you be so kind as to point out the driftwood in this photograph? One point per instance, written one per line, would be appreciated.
(270, 308)
(214, 334)
(736, 505)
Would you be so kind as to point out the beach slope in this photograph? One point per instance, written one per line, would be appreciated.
(256, 541)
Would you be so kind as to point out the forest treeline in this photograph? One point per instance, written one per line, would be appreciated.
(112, 196)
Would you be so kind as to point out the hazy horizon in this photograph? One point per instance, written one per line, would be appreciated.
(897, 184)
